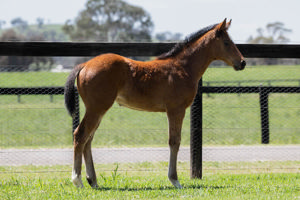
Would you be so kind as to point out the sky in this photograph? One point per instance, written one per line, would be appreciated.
(183, 16)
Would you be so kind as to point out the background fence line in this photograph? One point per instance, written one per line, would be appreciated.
(132, 49)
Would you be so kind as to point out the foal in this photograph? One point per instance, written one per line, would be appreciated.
(166, 84)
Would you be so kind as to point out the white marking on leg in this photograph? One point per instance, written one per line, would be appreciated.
(76, 179)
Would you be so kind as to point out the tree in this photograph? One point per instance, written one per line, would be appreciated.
(40, 22)
(274, 33)
(19, 23)
(112, 21)
(168, 36)
(2, 23)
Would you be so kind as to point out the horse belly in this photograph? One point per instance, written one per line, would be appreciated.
(141, 103)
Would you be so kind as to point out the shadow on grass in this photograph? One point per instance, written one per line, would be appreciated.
(128, 189)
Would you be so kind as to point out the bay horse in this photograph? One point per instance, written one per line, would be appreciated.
(166, 84)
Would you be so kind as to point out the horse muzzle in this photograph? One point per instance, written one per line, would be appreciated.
(240, 66)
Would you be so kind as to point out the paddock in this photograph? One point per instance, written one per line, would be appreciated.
(232, 142)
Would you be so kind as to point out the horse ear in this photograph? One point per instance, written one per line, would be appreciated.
(222, 25)
(228, 24)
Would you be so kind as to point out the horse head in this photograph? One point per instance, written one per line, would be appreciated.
(224, 49)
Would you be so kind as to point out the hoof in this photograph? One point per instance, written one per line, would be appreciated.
(93, 184)
(77, 181)
(176, 183)
(96, 186)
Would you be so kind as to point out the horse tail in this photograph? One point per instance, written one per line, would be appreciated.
(70, 101)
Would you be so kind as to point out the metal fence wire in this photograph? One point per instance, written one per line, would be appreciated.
(262, 112)
(35, 128)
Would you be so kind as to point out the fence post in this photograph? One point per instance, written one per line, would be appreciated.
(196, 134)
(264, 115)
(19, 98)
(76, 119)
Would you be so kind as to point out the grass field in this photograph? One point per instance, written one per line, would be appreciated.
(149, 181)
(229, 119)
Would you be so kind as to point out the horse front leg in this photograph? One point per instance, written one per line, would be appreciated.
(175, 119)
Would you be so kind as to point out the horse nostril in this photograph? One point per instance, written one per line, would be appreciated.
(243, 63)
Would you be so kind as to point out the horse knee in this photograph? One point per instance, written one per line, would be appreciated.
(84, 132)
(174, 142)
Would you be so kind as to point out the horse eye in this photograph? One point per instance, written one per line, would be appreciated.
(226, 43)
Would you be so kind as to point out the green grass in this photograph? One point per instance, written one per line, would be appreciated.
(32, 79)
(229, 119)
(149, 181)
(263, 73)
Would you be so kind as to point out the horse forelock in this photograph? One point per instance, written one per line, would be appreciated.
(188, 40)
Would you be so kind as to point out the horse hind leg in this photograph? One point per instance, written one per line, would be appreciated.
(82, 140)
(89, 164)
(76, 171)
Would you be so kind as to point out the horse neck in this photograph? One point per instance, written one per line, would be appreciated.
(197, 60)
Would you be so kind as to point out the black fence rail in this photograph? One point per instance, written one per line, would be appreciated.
(132, 49)
(154, 49)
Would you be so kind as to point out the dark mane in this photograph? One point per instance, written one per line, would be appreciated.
(188, 40)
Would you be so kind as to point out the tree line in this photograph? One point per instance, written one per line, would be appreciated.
(105, 21)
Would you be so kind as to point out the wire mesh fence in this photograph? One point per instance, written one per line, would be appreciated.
(239, 114)
(36, 129)
(253, 116)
